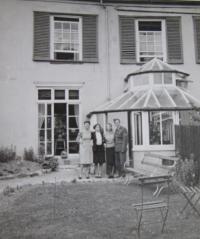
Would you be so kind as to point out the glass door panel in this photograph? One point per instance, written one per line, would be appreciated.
(73, 123)
(60, 129)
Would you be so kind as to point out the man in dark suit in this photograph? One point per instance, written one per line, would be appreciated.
(121, 141)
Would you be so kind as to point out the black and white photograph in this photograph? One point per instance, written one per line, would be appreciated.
(99, 119)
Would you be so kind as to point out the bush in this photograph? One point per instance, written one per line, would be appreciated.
(7, 154)
(50, 163)
(29, 155)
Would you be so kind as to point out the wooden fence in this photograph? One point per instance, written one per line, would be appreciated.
(187, 140)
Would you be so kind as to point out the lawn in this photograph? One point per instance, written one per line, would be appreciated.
(86, 211)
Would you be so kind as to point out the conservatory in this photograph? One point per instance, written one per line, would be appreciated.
(155, 96)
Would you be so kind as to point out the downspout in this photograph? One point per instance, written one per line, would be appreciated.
(108, 74)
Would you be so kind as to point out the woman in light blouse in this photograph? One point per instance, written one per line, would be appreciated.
(98, 149)
(110, 151)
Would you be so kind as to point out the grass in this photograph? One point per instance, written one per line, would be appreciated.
(87, 211)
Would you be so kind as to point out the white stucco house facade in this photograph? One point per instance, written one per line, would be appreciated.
(61, 60)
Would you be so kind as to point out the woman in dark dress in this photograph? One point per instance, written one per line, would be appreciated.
(98, 149)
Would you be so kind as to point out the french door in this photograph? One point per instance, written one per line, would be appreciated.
(58, 127)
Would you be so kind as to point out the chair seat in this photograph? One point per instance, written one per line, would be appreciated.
(150, 205)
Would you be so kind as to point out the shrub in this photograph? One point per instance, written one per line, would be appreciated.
(50, 163)
(7, 154)
(29, 155)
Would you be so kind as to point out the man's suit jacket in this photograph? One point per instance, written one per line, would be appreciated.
(121, 139)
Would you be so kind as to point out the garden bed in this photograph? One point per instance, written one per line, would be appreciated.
(86, 210)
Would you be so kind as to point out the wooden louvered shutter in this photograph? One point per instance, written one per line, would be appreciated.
(90, 38)
(174, 40)
(127, 40)
(197, 37)
(41, 40)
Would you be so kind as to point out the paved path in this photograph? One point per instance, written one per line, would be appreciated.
(63, 174)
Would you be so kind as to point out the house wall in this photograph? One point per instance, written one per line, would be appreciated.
(103, 80)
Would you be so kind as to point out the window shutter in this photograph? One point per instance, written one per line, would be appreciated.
(174, 40)
(90, 38)
(41, 40)
(127, 40)
(197, 37)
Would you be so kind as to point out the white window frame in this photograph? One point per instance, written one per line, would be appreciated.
(52, 101)
(52, 50)
(163, 34)
(146, 146)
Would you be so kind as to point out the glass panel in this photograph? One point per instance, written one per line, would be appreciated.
(73, 110)
(149, 26)
(49, 122)
(60, 134)
(73, 122)
(41, 149)
(73, 133)
(73, 94)
(41, 109)
(41, 122)
(138, 128)
(154, 128)
(167, 78)
(157, 78)
(41, 135)
(167, 128)
(177, 97)
(44, 94)
(49, 148)
(163, 98)
(141, 80)
(48, 135)
(59, 94)
(73, 148)
(48, 109)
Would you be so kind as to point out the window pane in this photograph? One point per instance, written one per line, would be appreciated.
(49, 148)
(74, 110)
(149, 25)
(41, 109)
(167, 78)
(73, 148)
(41, 122)
(154, 128)
(48, 109)
(157, 78)
(48, 135)
(73, 94)
(44, 94)
(41, 135)
(138, 128)
(167, 128)
(59, 94)
(73, 133)
(49, 122)
(73, 122)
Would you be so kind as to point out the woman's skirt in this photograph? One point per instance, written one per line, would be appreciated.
(99, 155)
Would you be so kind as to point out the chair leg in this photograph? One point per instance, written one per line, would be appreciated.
(191, 204)
(187, 203)
(164, 220)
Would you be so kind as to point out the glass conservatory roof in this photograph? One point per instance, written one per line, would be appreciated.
(155, 98)
(155, 65)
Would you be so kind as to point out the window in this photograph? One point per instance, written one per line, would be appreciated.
(162, 78)
(138, 139)
(73, 94)
(66, 38)
(160, 128)
(150, 40)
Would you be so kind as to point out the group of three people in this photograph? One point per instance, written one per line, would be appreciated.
(98, 147)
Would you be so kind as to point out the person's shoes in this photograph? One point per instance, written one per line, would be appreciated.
(88, 177)
(110, 176)
(79, 177)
